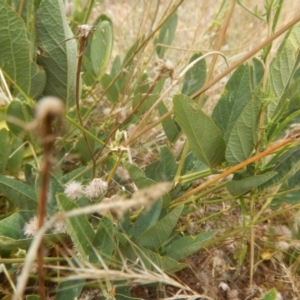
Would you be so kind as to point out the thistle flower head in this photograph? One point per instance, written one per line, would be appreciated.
(74, 190)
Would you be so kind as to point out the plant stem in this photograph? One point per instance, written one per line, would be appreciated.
(82, 45)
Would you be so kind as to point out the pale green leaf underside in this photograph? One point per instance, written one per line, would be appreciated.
(243, 136)
(282, 66)
(205, 138)
(59, 58)
(15, 58)
(236, 95)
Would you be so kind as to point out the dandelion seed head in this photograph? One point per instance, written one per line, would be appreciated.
(74, 190)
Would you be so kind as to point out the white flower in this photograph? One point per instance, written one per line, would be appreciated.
(96, 187)
(74, 190)
(31, 228)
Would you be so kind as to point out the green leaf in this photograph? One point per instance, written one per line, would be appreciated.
(289, 192)
(283, 64)
(69, 289)
(187, 245)
(98, 51)
(54, 188)
(257, 71)
(103, 243)
(79, 228)
(15, 54)
(166, 35)
(239, 187)
(286, 165)
(154, 237)
(164, 169)
(205, 138)
(5, 149)
(243, 136)
(58, 58)
(101, 47)
(146, 219)
(171, 128)
(194, 78)
(19, 193)
(12, 227)
(150, 259)
(137, 175)
(15, 161)
(236, 95)
(112, 94)
(16, 112)
(270, 295)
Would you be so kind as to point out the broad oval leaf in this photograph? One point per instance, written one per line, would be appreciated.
(146, 219)
(236, 95)
(166, 35)
(187, 245)
(194, 78)
(239, 187)
(243, 136)
(138, 176)
(58, 58)
(157, 234)
(97, 54)
(283, 64)
(205, 138)
(15, 54)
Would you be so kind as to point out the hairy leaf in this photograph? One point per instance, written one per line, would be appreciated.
(58, 58)
(243, 136)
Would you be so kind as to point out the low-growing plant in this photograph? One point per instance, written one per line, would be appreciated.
(109, 165)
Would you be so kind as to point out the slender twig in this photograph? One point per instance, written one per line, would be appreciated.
(49, 110)
(84, 33)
